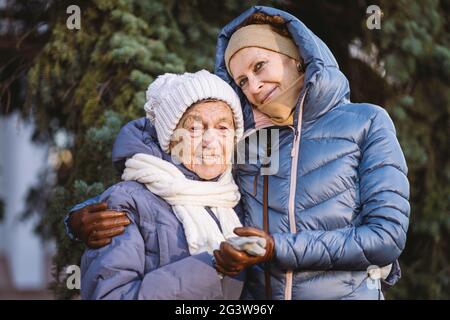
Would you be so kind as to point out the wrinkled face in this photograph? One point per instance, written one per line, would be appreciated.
(262, 74)
(204, 138)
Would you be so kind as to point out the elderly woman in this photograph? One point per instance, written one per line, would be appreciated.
(179, 198)
(337, 206)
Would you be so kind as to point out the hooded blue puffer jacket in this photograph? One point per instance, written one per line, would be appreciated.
(338, 203)
(151, 259)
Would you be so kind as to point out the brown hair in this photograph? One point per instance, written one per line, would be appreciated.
(276, 22)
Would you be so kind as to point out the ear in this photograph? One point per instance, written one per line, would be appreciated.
(174, 142)
(300, 66)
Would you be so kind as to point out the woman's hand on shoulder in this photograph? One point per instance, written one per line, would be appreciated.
(96, 225)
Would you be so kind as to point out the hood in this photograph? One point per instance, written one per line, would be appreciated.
(139, 136)
(325, 84)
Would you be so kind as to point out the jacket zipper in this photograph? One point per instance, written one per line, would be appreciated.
(292, 189)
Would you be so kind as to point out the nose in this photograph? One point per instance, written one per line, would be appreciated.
(254, 85)
(209, 138)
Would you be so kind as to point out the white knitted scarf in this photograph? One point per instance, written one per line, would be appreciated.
(188, 199)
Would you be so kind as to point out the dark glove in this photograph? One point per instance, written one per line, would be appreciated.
(231, 262)
(95, 225)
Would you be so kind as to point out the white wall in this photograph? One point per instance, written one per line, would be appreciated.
(20, 163)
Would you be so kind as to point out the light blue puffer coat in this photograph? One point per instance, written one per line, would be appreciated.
(339, 201)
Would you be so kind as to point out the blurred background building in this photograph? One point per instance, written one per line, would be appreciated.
(25, 260)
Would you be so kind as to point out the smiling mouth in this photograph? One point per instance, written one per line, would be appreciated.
(209, 159)
(268, 96)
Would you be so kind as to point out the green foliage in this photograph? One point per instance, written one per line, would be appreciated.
(415, 46)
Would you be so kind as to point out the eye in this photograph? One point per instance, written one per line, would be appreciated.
(195, 129)
(225, 129)
(242, 82)
(258, 66)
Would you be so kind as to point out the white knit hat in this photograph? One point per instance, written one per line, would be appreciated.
(170, 95)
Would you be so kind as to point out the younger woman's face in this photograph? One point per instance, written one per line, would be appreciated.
(262, 74)
(204, 139)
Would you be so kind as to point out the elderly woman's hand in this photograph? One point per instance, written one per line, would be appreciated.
(231, 262)
(95, 225)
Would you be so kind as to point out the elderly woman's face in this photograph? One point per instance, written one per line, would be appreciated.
(262, 74)
(204, 139)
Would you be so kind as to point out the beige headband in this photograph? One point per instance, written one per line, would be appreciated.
(261, 36)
